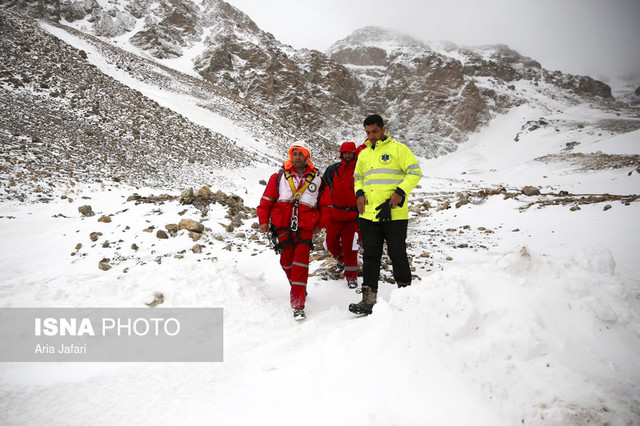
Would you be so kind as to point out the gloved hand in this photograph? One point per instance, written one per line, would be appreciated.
(384, 214)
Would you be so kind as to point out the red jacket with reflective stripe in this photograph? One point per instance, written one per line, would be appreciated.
(276, 204)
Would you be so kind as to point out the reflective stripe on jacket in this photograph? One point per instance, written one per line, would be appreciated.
(380, 171)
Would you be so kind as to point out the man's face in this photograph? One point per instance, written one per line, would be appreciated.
(374, 132)
(348, 156)
(298, 159)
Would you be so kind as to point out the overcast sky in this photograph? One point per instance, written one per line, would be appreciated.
(600, 38)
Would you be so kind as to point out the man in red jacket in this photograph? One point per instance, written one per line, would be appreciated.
(289, 209)
(342, 223)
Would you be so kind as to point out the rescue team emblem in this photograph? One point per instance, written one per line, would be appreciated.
(312, 187)
(385, 158)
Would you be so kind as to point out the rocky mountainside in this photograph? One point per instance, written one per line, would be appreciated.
(226, 48)
(62, 116)
(433, 95)
(62, 119)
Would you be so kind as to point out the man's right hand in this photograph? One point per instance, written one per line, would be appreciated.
(360, 202)
(264, 227)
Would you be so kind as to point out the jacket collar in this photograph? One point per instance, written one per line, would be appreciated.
(379, 143)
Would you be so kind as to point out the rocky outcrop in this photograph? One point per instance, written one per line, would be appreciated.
(580, 85)
(304, 86)
(425, 96)
(433, 95)
(500, 62)
(71, 121)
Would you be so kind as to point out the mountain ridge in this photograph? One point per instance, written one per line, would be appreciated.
(433, 95)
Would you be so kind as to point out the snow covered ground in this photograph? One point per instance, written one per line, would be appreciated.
(536, 320)
(520, 313)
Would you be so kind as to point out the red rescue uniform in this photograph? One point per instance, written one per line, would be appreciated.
(278, 206)
(342, 222)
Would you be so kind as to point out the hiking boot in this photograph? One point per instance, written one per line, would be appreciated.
(340, 266)
(298, 314)
(352, 283)
(365, 306)
(400, 285)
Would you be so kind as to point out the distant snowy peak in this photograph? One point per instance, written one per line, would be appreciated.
(382, 38)
(376, 45)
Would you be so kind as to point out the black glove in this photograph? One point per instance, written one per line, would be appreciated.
(384, 215)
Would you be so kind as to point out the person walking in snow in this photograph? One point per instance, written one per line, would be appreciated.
(342, 222)
(385, 173)
(289, 208)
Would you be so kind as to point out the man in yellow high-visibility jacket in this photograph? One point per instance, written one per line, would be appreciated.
(385, 174)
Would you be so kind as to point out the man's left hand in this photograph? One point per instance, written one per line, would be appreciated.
(395, 200)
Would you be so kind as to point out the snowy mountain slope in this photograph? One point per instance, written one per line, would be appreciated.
(118, 123)
(430, 92)
(437, 95)
(520, 311)
(523, 310)
(537, 325)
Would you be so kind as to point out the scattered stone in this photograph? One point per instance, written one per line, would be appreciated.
(149, 229)
(106, 244)
(444, 206)
(134, 246)
(172, 228)
(575, 208)
(197, 249)
(187, 196)
(191, 226)
(104, 264)
(463, 199)
(162, 235)
(607, 207)
(86, 210)
(78, 246)
(530, 191)
(95, 235)
(105, 219)
(158, 299)
(204, 192)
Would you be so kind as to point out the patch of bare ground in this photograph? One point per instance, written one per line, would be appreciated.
(594, 161)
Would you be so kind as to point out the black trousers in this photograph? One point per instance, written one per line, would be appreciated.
(374, 234)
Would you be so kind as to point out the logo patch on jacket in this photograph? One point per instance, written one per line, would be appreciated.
(385, 158)
(312, 187)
